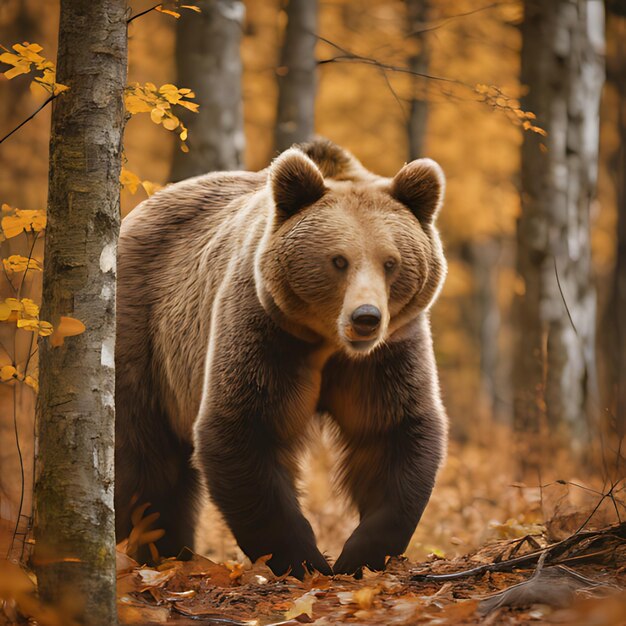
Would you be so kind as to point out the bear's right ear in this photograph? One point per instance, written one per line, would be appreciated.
(295, 182)
(419, 185)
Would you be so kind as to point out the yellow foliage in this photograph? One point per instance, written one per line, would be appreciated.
(22, 220)
(147, 98)
(150, 187)
(131, 182)
(19, 263)
(160, 9)
(26, 56)
(7, 372)
(173, 12)
(31, 381)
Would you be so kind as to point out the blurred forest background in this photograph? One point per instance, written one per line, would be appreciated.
(458, 103)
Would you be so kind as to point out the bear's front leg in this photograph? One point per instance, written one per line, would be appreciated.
(390, 480)
(254, 490)
(251, 422)
(394, 431)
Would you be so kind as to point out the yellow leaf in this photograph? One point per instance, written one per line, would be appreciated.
(184, 148)
(167, 11)
(33, 220)
(29, 307)
(12, 226)
(5, 311)
(150, 187)
(45, 328)
(156, 115)
(134, 104)
(18, 263)
(129, 180)
(192, 106)
(9, 58)
(171, 122)
(32, 382)
(14, 304)
(191, 7)
(32, 325)
(23, 67)
(7, 372)
(183, 134)
(67, 327)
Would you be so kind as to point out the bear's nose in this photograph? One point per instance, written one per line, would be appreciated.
(366, 319)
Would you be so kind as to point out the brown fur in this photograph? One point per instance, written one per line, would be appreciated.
(235, 328)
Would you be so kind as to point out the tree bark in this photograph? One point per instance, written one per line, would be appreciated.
(616, 70)
(417, 13)
(297, 76)
(562, 65)
(74, 518)
(209, 62)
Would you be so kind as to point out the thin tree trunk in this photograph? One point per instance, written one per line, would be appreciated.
(74, 523)
(483, 258)
(617, 305)
(417, 13)
(562, 65)
(297, 76)
(209, 62)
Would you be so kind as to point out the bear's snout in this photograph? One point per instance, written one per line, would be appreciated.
(366, 319)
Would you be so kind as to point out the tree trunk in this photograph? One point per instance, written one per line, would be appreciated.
(617, 305)
(417, 13)
(562, 65)
(297, 78)
(209, 62)
(74, 518)
(483, 258)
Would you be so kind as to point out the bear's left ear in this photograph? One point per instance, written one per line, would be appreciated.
(420, 185)
(295, 181)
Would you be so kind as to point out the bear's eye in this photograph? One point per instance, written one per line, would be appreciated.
(340, 262)
(390, 264)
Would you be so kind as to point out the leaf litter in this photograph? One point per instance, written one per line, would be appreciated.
(201, 591)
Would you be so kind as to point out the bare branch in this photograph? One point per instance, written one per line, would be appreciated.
(30, 117)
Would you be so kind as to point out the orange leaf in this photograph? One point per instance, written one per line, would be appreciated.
(67, 327)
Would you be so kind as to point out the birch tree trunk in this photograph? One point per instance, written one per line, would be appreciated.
(562, 65)
(208, 61)
(417, 13)
(74, 523)
(297, 76)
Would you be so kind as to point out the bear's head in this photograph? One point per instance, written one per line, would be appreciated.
(353, 262)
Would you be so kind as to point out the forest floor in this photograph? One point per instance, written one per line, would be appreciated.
(479, 515)
(565, 536)
(203, 592)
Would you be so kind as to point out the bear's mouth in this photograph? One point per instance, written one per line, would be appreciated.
(363, 345)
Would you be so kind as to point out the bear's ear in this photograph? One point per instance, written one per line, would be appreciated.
(295, 182)
(420, 185)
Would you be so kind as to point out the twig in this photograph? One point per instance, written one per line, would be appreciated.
(446, 19)
(30, 117)
(134, 17)
(558, 282)
(552, 551)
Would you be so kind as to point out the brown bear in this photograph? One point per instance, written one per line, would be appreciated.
(248, 305)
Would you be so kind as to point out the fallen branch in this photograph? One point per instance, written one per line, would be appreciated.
(551, 552)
